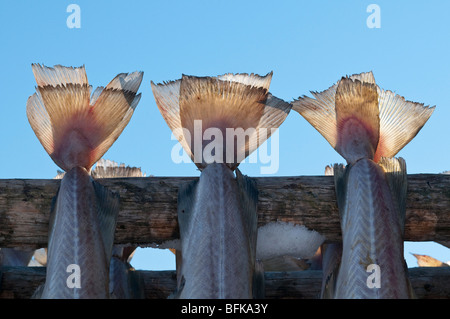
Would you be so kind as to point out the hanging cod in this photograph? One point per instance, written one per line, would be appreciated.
(124, 282)
(217, 214)
(76, 127)
(368, 126)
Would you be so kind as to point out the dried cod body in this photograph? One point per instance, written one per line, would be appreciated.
(76, 127)
(368, 126)
(217, 214)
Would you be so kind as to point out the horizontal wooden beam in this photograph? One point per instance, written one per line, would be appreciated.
(427, 282)
(148, 208)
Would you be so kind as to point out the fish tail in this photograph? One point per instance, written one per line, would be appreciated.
(346, 116)
(74, 125)
(111, 169)
(357, 119)
(428, 261)
(211, 106)
(357, 97)
(400, 121)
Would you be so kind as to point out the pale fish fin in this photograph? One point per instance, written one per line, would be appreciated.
(248, 79)
(320, 111)
(113, 109)
(428, 261)
(167, 97)
(72, 129)
(219, 105)
(400, 121)
(239, 104)
(357, 119)
(110, 169)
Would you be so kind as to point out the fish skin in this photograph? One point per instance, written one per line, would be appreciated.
(217, 214)
(217, 260)
(118, 276)
(331, 259)
(372, 234)
(83, 217)
(76, 128)
(124, 282)
(368, 126)
(15, 257)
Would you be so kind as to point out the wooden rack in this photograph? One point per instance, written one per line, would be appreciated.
(148, 215)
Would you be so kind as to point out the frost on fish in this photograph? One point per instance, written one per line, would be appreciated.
(368, 126)
(76, 127)
(217, 214)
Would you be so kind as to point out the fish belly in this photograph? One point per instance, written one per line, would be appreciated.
(215, 249)
(372, 260)
(77, 264)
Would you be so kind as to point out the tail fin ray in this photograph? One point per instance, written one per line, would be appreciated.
(235, 101)
(75, 127)
(357, 119)
(400, 121)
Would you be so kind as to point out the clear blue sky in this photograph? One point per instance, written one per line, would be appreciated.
(308, 45)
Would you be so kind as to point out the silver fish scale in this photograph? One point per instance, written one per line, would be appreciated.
(76, 238)
(372, 234)
(216, 255)
(119, 286)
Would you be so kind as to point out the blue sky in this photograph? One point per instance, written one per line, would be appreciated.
(308, 45)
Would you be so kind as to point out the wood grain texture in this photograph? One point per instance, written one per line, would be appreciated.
(427, 282)
(148, 207)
